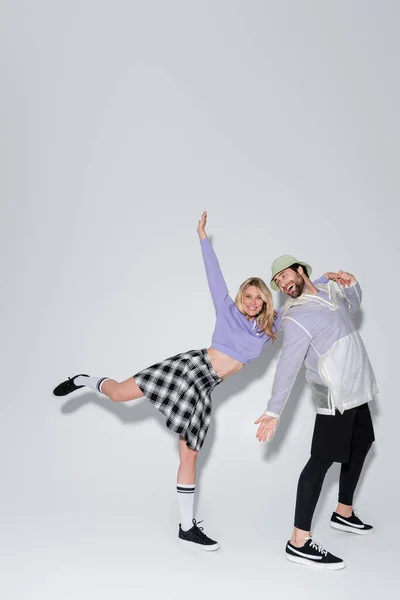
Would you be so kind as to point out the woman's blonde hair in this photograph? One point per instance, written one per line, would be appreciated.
(265, 318)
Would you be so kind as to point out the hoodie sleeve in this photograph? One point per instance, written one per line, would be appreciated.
(322, 279)
(216, 281)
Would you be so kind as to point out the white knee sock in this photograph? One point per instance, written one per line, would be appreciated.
(186, 500)
(95, 383)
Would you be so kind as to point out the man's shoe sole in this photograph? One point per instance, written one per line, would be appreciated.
(199, 546)
(351, 529)
(314, 564)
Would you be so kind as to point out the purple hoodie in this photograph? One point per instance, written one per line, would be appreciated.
(234, 334)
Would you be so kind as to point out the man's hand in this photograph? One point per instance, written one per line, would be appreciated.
(341, 277)
(345, 279)
(201, 226)
(267, 427)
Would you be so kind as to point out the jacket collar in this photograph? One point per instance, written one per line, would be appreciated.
(328, 288)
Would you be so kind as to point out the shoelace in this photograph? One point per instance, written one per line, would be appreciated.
(318, 547)
(355, 514)
(196, 524)
(200, 529)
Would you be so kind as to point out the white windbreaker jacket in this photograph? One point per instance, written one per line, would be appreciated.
(319, 330)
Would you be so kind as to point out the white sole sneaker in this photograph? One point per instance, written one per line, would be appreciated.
(202, 547)
(314, 564)
(350, 529)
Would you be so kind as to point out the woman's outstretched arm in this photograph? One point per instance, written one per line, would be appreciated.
(216, 281)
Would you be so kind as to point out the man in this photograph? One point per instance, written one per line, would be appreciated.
(318, 329)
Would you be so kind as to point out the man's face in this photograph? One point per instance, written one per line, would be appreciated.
(290, 282)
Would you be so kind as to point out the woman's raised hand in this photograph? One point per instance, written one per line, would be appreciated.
(201, 226)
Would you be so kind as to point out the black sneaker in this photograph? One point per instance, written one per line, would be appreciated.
(197, 538)
(313, 554)
(352, 524)
(68, 386)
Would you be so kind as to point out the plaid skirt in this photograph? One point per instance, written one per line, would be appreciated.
(180, 387)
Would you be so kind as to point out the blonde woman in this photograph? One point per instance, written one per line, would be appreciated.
(180, 387)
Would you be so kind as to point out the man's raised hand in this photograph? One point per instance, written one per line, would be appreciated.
(343, 278)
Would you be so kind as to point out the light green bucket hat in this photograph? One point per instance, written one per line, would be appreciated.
(282, 263)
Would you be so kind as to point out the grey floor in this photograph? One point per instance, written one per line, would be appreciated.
(135, 557)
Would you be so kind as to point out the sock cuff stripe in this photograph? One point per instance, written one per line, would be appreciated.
(100, 381)
(185, 490)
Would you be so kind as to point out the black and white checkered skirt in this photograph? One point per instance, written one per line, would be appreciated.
(180, 387)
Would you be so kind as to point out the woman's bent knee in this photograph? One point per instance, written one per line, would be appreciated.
(124, 391)
(117, 394)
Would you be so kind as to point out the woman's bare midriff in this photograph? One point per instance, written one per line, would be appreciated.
(223, 364)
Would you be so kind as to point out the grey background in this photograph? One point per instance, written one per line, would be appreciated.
(121, 122)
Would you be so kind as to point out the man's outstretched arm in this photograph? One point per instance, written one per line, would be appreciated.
(296, 341)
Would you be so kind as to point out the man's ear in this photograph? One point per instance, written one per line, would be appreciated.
(300, 270)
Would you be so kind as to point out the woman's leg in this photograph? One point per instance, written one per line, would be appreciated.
(186, 483)
(121, 392)
(189, 532)
(117, 392)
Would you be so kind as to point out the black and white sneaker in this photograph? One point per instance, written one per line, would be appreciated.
(197, 538)
(313, 554)
(352, 524)
(68, 386)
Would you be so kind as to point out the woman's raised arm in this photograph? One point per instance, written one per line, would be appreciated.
(216, 281)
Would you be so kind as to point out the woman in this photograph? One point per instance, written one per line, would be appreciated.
(180, 386)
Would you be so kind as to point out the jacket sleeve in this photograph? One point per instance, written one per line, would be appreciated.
(296, 341)
(216, 281)
(352, 296)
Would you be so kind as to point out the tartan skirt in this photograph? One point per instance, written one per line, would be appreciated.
(180, 387)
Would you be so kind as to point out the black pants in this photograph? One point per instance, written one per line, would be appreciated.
(312, 478)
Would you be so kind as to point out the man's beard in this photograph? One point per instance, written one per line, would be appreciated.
(298, 288)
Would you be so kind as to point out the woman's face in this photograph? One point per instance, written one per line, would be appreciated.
(252, 301)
